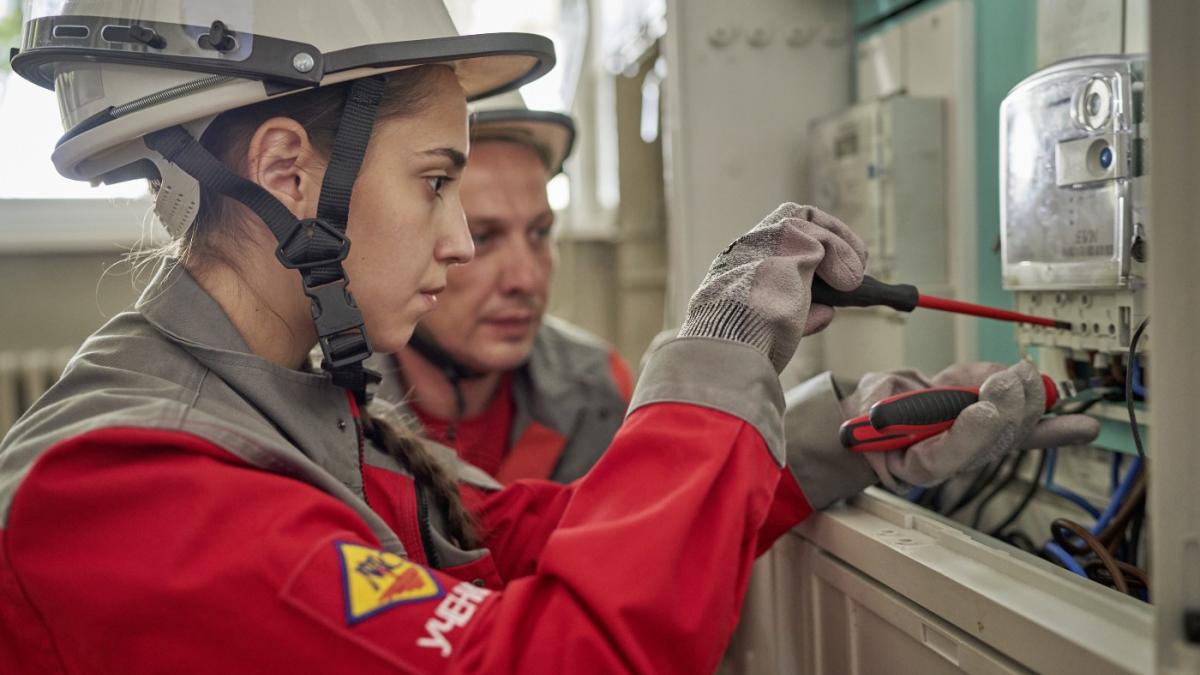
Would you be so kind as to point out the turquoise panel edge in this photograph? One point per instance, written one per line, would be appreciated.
(1005, 53)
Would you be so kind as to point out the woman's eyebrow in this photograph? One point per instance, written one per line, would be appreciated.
(456, 157)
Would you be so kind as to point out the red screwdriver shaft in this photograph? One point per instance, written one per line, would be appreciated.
(905, 298)
(960, 307)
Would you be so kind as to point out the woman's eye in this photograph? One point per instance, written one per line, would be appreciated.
(481, 238)
(436, 183)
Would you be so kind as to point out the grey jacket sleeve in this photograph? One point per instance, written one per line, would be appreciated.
(728, 376)
(825, 470)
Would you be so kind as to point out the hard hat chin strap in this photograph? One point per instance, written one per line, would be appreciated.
(315, 247)
(454, 371)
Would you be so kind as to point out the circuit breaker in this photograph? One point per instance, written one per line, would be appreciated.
(1074, 191)
(880, 167)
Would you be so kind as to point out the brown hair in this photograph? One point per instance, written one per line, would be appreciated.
(220, 224)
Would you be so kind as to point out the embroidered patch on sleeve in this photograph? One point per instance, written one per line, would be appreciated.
(375, 580)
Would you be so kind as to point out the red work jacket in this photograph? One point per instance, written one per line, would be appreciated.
(176, 504)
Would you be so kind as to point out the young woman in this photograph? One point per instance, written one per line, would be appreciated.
(193, 497)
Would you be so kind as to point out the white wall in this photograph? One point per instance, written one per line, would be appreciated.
(744, 81)
(932, 54)
(55, 300)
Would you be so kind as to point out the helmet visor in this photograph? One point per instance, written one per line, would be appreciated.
(242, 39)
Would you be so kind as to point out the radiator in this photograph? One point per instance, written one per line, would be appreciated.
(24, 377)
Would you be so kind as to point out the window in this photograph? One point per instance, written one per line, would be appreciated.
(29, 128)
(563, 21)
(39, 209)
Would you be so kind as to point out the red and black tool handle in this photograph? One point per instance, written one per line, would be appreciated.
(899, 421)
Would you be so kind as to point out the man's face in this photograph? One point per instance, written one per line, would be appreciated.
(491, 310)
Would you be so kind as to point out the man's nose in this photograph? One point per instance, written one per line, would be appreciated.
(523, 271)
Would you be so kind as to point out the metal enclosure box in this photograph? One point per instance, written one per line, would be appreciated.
(880, 167)
(1073, 191)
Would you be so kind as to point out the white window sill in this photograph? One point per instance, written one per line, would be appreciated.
(76, 225)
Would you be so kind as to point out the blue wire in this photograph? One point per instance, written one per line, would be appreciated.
(1139, 384)
(1052, 488)
(1119, 496)
(1065, 558)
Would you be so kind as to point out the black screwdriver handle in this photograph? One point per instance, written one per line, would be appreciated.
(872, 292)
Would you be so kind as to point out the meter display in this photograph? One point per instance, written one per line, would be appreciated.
(1070, 156)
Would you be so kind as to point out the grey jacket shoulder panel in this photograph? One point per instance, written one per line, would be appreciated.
(130, 375)
(567, 386)
(565, 356)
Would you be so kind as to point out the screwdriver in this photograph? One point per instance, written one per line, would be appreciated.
(906, 298)
(899, 421)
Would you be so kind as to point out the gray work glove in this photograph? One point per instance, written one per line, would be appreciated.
(758, 291)
(1007, 417)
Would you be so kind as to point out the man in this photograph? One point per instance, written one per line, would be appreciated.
(522, 395)
(517, 393)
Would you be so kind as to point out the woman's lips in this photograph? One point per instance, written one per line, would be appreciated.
(430, 295)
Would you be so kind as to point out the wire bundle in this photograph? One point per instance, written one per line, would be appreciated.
(1110, 548)
(1108, 552)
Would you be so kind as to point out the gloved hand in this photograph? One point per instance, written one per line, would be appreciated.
(758, 291)
(1007, 417)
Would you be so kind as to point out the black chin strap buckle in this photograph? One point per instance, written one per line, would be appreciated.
(316, 248)
(342, 336)
(339, 324)
(312, 243)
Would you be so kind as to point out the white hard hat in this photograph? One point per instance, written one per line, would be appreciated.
(137, 82)
(125, 68)
(506, 117)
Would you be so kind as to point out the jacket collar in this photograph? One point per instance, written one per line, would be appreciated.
(305, 407)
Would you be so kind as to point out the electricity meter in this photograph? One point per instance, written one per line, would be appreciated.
(1073, 192)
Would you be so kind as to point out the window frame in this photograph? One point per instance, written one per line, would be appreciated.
(77, 225)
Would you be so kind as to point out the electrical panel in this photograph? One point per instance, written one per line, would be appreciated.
(879, 167)
(1074, 191)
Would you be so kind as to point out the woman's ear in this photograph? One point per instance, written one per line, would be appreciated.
(282, 160)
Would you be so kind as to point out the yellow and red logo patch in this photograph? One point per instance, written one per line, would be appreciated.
(376, 580)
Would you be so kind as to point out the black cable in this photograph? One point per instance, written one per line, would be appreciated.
(1085, 399)
(1020, 540)
(998, 488)
(1133, 425)
(937, 497)
(985, 476)
(1034, 485)
(930, 497)
(1135, 535)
